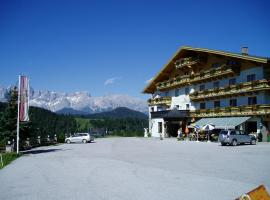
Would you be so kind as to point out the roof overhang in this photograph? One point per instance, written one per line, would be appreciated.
(223, 122)
(151, 87)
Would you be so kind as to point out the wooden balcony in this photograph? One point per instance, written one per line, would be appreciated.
(160, 101)
(186, 62)
(248, 110)
(231, 90)
(207, 75)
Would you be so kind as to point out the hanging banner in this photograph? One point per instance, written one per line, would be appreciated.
(24, 99)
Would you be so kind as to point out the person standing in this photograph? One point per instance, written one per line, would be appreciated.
(179, 133)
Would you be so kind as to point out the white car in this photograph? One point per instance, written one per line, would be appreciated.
(80, 137)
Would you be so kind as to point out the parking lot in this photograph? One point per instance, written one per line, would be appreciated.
(137, 168)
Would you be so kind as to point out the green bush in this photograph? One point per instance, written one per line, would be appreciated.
(61, 138)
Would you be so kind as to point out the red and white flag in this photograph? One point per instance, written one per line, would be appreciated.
(24, 98)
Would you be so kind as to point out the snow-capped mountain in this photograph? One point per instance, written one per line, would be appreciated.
(81, 101)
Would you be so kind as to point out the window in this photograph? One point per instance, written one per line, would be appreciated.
(177, 92)
(233, 102)
(202, 105)
(232, 81)
(159, 108)
(152, 109)
(177, 107)
(251, 77)
(160, 127)
(252, 100)
(187, 90)
(166, 94)
(202, 87)
(232, 62)
(187, 106)
(216, 65)
(237, 132)
(216, 84)
(216, 104)
(232, 133)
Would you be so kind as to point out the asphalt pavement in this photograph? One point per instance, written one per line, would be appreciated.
(136, 168)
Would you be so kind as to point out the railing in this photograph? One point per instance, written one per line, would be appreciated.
(186, 62)
(233, 111)
(238, 89)
(160, 101)
(213, 73)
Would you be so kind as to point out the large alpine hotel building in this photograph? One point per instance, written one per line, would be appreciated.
(202, 86)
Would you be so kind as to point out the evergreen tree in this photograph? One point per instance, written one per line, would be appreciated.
(8, 121)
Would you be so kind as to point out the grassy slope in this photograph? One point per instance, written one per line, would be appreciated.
(8, 158)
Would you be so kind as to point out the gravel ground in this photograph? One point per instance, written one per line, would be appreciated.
(137, 168)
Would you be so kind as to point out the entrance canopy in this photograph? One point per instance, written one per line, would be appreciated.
(176, 114)
(223, 122)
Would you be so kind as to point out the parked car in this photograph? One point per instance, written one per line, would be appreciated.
(80, 137)
(235, 137)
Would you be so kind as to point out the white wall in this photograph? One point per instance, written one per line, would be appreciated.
(153, 127)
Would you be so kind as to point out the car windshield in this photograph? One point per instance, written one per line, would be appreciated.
(224, 132)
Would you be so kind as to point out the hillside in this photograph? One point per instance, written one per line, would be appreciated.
(118, 113)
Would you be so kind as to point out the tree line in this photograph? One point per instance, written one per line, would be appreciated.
(44, 122)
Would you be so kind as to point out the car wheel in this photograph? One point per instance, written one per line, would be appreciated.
(68, 141)
(234, 142)
(223, 144)
(84, 141)
(253, 142)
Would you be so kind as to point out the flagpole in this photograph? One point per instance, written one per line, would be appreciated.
(18, 114)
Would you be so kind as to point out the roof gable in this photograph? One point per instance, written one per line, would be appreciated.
(150, 88)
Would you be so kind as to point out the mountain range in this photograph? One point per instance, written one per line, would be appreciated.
(80, 102)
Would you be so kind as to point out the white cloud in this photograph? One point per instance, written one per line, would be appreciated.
(149, 80)
(111, 81)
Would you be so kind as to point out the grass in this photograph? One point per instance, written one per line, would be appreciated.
(8, 158)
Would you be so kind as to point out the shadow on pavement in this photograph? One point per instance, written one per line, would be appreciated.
(38, 151)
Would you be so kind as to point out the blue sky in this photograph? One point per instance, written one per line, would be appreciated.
(107, 47)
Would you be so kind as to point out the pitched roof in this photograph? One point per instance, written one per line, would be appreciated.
(150, 88)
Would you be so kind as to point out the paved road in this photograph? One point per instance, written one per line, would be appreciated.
(137, 168)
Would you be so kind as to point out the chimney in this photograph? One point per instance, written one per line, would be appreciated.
(244, 51)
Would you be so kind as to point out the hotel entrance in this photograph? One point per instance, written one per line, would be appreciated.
(174, 120)
(172, 128)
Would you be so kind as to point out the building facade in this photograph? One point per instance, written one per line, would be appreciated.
(201, 85)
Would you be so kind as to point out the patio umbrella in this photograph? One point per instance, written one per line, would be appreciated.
(208, 127)
(196, 129)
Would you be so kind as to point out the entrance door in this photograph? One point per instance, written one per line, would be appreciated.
(251, 127)
(172, 128)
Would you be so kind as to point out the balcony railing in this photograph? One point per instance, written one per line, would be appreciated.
(160, 101)
(248, 110)
(189, 61)
(239, 89)
(206, 75)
